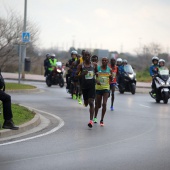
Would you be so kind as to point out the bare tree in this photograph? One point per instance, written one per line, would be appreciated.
(10, 35)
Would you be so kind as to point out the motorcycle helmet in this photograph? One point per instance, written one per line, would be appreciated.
(47, 55)
(155, 58)
(119, 60)
(161, 61)
(125, 61)
(52, 55)
(74, 52)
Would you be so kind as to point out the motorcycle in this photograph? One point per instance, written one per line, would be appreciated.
(162, 82)
(128, 80)
(55, 77)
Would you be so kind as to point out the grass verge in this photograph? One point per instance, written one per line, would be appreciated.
(16, 86)
(143, 76)
(20, 114)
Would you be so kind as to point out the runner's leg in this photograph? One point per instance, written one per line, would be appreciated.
(104, 105)
(97, 104)
(112, 96)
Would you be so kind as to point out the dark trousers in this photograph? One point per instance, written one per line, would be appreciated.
(67, 81)
(6, 103)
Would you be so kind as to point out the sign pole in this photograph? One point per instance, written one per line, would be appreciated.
(24, 46)
(19, 75)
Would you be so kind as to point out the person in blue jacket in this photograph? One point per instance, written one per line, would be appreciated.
(152, 70)
(120, 68)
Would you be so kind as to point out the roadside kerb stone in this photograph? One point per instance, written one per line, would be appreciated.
(22, 128)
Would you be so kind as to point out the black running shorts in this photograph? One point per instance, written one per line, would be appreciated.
(88, 93)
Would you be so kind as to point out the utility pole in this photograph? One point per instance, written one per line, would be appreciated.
(24, 46)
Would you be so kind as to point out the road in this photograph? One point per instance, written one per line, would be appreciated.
(135, 136)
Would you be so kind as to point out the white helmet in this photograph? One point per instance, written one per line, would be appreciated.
(155, 58)
(125, 61)
(162, 60)
(74, 52)
(119, 60)
(53, 55)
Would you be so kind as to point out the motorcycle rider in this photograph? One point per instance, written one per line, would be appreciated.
(52, 61)
(121, 70)
(124, 62)
(152, 70)
(46, 64)
(161, 63)
(52, 64)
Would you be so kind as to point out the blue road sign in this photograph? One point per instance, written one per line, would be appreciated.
(25, 37)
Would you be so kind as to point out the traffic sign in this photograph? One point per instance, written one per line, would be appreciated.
(25, 37)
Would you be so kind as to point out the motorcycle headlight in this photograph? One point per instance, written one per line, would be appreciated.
(131, 76)
(58, 70)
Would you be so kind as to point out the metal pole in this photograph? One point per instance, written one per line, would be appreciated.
(19, 75)
(24, 47)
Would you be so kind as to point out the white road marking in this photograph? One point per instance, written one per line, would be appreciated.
(144, 106)
(61, 123)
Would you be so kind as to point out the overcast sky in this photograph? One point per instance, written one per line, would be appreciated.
(121, 25)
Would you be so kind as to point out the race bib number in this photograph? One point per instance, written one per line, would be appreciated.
(89, 75)
(104, 78)
(113, 74)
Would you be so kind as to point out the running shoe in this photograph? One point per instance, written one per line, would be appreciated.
(79, 100)
(90, 124)
(101, 123)
(95, 120)
(74, 97)
(111, 108)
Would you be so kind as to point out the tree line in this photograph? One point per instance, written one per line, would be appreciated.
(10, 37)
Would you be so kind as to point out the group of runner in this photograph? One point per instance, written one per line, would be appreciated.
(97, 82)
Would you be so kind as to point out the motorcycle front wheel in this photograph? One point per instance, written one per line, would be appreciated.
(165, 97)
(61, 82)
(133, 88)
(48, 82)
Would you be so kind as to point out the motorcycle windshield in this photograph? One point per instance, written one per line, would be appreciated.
(128, 69)
(164, 73)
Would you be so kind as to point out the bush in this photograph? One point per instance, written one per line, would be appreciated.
(143, 76)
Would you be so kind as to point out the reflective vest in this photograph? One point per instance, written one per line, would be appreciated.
(52, 63)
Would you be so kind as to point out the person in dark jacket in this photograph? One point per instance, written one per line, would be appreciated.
(6, 104)
(46, 64)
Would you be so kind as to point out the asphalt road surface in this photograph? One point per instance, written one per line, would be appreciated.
(136, 136)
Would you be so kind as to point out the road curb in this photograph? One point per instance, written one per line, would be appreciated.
(22, 128)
